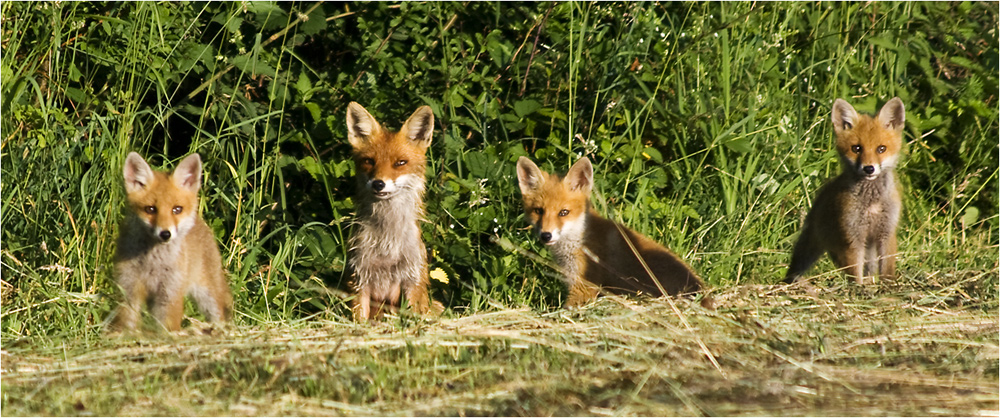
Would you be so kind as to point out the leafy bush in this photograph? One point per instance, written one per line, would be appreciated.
(707, 124)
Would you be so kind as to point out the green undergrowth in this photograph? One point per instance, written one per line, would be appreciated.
(708, 126)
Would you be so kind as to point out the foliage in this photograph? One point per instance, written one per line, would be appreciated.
(707, 124)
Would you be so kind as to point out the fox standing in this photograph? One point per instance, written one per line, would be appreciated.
(165, 250)
(593, 252)
(854, 216)
(388, 256)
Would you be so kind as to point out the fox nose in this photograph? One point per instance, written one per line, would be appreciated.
(378, 185)
(545, 236)
(869, 169)
(165, 235)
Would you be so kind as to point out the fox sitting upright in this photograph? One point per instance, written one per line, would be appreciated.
(854, 216)
(165, 250)
(593, 252)
(388, 256)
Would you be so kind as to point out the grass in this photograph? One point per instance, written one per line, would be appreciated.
(708, 127)
(780, 350)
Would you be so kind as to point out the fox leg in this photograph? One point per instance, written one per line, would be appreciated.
(390, 303)
(807, 250)
(362, 305)
(168, 309)
(131, 308)
(418, 297)
(852, 260)
(872, 261)
(581, 292)
(215, 302)
(887, 257)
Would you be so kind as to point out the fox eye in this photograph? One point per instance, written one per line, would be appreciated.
(368, 161)
(856, 149)
(880, 149)
(400, 163)
(564, 212)
(177, 210)
(538, 211)
(150, 210)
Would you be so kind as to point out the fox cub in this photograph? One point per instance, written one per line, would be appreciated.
(386, 252)
(593, 252)
(165, 250)
(854, 216)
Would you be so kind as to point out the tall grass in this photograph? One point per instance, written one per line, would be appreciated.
(707, 123)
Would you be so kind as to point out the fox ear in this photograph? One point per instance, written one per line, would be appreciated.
(360, 125)
(529, 177)
(892, 115)
(844, 116)
(188, 173)
(580, 176)
(419, 126)
(137, 173)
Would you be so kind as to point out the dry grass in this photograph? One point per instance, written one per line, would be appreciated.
(780, 350)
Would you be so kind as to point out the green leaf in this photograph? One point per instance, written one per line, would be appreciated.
(303, 84)
(526, 107)
(741, 145)
(653, 154)
(882, 42)
(314, 111)
(315, 22)
(970, 217)
(690, 212)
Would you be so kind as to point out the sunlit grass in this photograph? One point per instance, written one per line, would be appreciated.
(708, 127)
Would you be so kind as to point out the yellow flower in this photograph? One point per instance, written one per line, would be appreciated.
(439, 275)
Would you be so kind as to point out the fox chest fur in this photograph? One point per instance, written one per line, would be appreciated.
(386, 249)
(141, 257)
(865, 211)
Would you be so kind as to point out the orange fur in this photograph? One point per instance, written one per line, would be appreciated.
(596, 253)
(165, 250)
(387, 254)
(854, 216)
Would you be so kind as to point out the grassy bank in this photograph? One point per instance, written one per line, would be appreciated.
(765, 350)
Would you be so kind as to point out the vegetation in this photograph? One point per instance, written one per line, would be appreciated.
(708, 124)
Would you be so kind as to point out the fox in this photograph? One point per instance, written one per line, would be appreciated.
(595, 253)
(387, 255)
(854, 216)
(165, 250)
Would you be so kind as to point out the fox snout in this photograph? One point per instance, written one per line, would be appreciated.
(869, 171)
(550, 235)
(869, 166)
(164, 233)
(385, 188)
